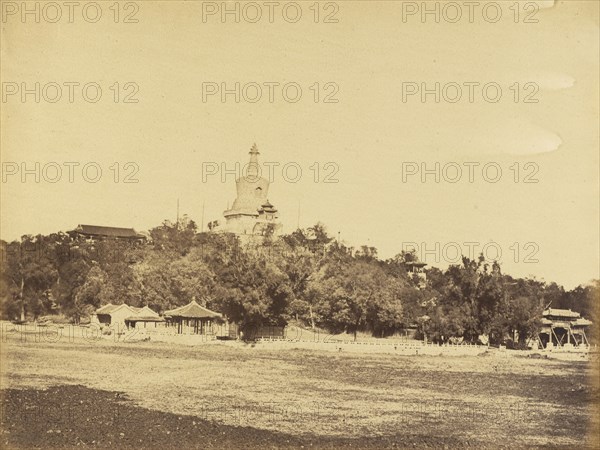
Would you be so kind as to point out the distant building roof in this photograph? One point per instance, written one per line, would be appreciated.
(144, 314)
(267, 207)
(583, 322)
(561, 313)
(146, 311)
(107, 309)
(113, 232)
(415, 263)
(135, 311)
(192, 310)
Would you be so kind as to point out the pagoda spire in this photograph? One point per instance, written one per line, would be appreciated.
(253, 169)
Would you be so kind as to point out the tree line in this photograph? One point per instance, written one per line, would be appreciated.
(305, 277)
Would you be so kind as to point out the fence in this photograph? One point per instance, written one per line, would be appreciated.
(399, 348)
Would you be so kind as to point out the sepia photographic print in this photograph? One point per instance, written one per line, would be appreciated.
(352, 224)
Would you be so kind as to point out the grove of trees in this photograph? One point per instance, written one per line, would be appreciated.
(306, 277)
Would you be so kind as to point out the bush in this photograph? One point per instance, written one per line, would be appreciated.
(58, 319)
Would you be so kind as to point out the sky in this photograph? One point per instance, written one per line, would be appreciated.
(359, 130)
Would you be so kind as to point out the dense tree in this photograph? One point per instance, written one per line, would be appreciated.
(303, 255)
(305, 276)
(30, 274)
(523, 318)
(360, 296)
(89, 295)
(253, 292)
(175, 237)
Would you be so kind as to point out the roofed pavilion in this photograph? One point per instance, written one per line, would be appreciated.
(193, 319)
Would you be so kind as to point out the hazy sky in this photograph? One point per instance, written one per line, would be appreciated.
(373, 136)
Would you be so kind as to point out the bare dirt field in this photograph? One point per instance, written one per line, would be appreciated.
(146, 394)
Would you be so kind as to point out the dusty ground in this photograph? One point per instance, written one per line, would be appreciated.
(212, 396)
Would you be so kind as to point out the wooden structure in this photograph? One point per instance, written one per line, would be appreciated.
(195, 319)
(121, 317)
(113, 315)
(415, 268)
(265, 332)
(144, 318)
(100, 233)
(563, 328)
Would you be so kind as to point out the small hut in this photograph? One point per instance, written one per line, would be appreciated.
(112, 315)
(143, 318)
(194, 319)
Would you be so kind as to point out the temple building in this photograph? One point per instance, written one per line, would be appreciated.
(102, 233)
(251, 213)
(416, 269)
(563, 328)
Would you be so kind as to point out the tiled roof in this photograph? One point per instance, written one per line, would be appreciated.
(267, 207)
(561, 313)
(192, 310)
(97, 230)
(110, 308)
(107, 309)
(146, 311)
